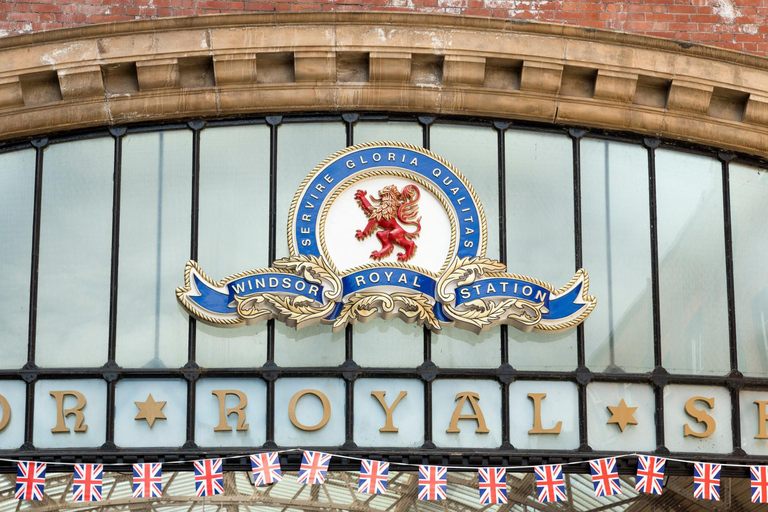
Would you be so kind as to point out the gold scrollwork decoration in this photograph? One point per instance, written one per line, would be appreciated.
(463, 271)
(410, 307)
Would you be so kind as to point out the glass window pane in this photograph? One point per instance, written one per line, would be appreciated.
(410, 133)
(17, 197)
(234, 232)
(540, 241)
(166, 429)
(75, 254)
(93, 391)
(605, 436)
(458, 348)
(675, 419)
(246, 429)
(407, 415)
(310, 412)
(389, 343)
(155, 197)
(311, 346)
(749, 225)
(561, 404)
(448, 395)
(692, 295)
(301, 147)
(473, 150)
(750, 413)
(616, 245)
(15, 392)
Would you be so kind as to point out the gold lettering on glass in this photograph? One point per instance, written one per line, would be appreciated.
(388, 410)
(700, 416)
(537, 427)
(326, 410)
(477, 413)
(224, 413)
(61, 413)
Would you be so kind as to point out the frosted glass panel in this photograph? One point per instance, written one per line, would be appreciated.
(675, 419)
(750, 421)
(170, 431)
(391, 343)
(155, 210)
(410, 133)
(617, 254)
(310, 346)
(301, 147)
(15, 392)
(692, 295)
(458, 348)
(234, 232)
(309, 412)
(609, 436)
(94, 413)
(474, 152)
(17, 195)
(560, 405)
(75, 254)
(540, 241)
(445, 401)
(407, 415)
(749, 226)
(253, 399)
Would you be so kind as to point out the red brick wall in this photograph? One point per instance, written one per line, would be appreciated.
(735, 24)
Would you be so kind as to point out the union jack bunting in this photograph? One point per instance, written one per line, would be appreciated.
(650, 474)
(433, 481)
(86, 486)
(266, 468)
(605, 478)
(759, 477)
(209, 479)
(706, 481)
(314, 466)
(493, 485)
(30, 480)
(550, 483)
(147, 480)
(373, 477)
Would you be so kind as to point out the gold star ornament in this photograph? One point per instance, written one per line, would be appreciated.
(150, 410)
(622, 415)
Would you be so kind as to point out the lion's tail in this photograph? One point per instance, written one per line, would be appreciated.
(407, 211)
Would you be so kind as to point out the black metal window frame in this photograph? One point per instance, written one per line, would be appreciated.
(349, 371)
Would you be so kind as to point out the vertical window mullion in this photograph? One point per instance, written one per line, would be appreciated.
(660, 375)
(29, 375)
(583, 375)
(271, 374)
(429, 374)
(112, 375)
(349, 336)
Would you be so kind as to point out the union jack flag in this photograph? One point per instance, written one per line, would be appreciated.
(266, 468)
(373, 476)
(493, 485)
(550, 483)
(30, 480)
(650, 474)
(209, 479)
(147, 480)
(605, 478)
(706, 481)
(86, 485)
(433, 481)
(314, 466)
(759, 477)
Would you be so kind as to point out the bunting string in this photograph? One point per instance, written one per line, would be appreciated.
(432, 481)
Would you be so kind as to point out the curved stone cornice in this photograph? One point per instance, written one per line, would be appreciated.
(223, 65)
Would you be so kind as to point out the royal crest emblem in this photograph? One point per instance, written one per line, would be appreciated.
(389, 213)
(332, 278)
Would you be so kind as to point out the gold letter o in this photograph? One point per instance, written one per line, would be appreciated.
(326, 409)
(6, 413)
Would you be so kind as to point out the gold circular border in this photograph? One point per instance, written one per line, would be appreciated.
(383, 144)
(371, 173)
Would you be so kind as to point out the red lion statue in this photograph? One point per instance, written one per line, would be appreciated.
(384, 213)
